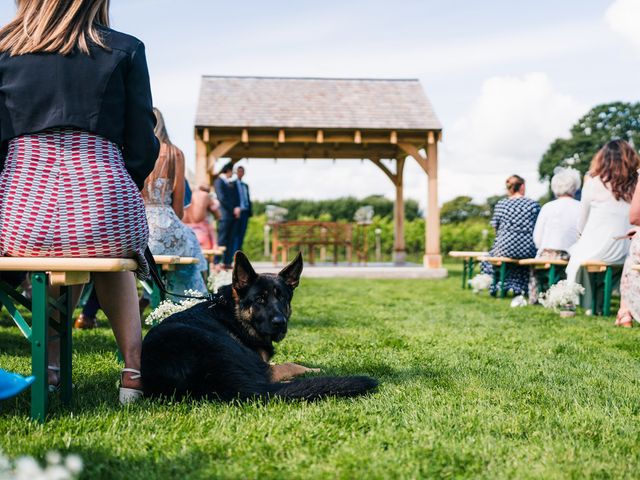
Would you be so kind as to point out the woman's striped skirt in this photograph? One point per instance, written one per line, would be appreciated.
(66, 193)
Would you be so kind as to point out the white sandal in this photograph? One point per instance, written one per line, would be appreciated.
(130, 395)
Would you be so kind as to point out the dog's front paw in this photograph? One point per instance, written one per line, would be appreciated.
(287, 371)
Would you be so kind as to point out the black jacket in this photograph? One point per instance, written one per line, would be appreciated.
(106, 93)
(227, 193)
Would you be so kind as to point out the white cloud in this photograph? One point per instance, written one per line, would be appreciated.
(506, 130)
(623, 16)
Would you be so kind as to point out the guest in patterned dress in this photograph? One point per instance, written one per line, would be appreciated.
(514, 218)
(164, 200)
(76, 143)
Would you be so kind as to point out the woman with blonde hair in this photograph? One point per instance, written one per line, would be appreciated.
(514, 218)
(604, 216)
(76, 143)
(163, 195)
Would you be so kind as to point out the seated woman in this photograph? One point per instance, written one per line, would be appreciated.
(197, 216)
(514, 218)
(604, 217)
(163, 195)
(556, 230)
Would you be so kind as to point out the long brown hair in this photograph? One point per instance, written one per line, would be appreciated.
(55, 26)
(166, 163)
(617, 166)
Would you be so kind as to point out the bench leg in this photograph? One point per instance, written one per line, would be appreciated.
(66, 320)
(503, 275)
(464, 274)
(39, 346)
(552, 275)
(156, 295)
(470, 270)
(608, 280)
(594, 292)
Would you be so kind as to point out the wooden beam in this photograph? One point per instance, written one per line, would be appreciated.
(431, 138)
(320, 136)
(393, 137)
(244, 137)
(205, 135)
(385, 169)
(202, 176)
(281, 136)
(399, 246)
(220, 151)
(432, 257)
(413, 151)
(357, 137)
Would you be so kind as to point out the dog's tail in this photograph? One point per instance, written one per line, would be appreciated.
(320, 387)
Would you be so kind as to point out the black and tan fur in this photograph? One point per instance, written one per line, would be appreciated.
(221, 349)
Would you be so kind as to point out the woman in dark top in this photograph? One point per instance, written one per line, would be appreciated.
(76, 143)
(514, 219)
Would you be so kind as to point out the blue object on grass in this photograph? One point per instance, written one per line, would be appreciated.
(11, 384)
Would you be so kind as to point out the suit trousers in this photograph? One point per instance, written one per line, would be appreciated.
(226, 235)
(241, 230)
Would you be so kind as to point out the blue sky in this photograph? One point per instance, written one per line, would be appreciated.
(505, 77)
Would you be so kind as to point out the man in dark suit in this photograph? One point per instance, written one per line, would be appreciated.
(245, 209)
(227, 194)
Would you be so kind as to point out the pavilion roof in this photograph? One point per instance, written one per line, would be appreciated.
(314, 103)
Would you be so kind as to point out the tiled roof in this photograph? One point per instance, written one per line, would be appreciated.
(314, 103)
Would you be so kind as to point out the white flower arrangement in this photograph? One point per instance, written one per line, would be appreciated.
(219, 279)
(482, 281)
(564, 295)
(169, 307)
(28, 468)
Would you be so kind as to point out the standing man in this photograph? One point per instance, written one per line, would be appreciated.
(245, 210)
(227, 194)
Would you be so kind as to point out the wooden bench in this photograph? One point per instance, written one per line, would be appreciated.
(596, 268)
(500, 275)
(468, 264)
(550, 264)
(311, 234)
(166, 263)
(45, 272)
(210, 254)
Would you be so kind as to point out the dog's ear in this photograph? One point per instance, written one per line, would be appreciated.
(243, 273)
(291, 273)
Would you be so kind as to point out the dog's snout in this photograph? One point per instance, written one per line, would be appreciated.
(279, 320)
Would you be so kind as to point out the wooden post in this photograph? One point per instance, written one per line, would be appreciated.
(399, 248)
(202, 175)
(432, 257)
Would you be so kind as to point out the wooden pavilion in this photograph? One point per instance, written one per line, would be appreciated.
(384, 121)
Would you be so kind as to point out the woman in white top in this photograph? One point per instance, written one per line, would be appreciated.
(604, 216)
(556, 230)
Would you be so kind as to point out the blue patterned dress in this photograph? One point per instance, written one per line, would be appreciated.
(514, 220)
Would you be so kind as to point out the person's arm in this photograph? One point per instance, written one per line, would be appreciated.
(585, 203)
(177, 200)
(538, 230)
(141, 147)
(634, 211)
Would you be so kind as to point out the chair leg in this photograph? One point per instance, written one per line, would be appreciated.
(66, 350)
(503, 275)
(608, 280)
(39, 346)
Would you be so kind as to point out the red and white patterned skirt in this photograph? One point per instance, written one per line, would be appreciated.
(66, 193)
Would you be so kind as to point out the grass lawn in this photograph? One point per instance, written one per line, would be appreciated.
(469, 388)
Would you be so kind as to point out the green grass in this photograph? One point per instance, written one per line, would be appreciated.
(469, 388)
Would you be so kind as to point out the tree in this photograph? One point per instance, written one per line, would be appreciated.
(600, 125)
(461, 209)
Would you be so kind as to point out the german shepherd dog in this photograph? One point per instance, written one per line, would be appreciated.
(220, 349)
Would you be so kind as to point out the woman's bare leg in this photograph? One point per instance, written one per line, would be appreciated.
(118, 298)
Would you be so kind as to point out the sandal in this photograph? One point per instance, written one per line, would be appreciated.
(130, 395)
(625, 320)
